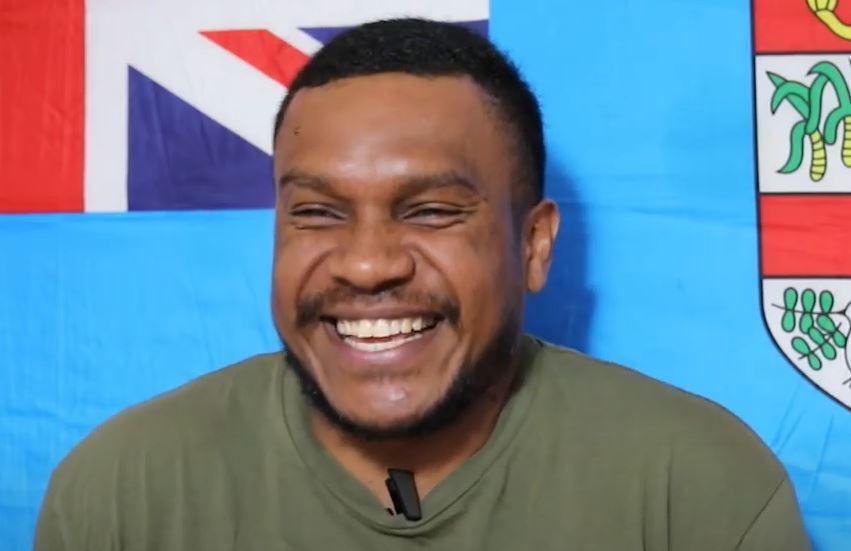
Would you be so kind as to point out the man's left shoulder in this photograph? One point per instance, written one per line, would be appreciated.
(650, 416)
(711, 481)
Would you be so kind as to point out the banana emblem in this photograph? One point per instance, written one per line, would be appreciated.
(824, 10)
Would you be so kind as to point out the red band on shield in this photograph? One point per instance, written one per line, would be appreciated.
(805, 235)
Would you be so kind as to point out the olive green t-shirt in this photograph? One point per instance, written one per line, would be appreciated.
(586, 455)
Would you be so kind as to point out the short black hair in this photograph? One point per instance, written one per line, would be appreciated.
(431, 48)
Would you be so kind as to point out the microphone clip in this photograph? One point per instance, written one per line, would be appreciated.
(403, 492)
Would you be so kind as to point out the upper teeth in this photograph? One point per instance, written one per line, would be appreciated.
(365, 328)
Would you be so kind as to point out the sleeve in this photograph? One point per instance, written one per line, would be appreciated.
(51, 533)
(778, 526)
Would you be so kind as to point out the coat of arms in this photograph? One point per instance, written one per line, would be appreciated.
(802, 90)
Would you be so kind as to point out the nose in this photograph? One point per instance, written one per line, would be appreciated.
(371, 259)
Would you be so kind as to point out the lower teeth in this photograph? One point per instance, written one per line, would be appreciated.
(381, 346)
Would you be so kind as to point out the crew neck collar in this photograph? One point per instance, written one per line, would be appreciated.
(360, 501)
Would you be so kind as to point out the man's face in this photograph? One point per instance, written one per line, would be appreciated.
(398, 262)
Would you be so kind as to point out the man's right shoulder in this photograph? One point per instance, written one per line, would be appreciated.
(146, 464)
(191, 418)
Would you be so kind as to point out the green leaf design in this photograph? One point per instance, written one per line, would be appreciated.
(795, 93)
(806, 323)
(808, 300)
(833, 123)
(788, 321)
(826, 348)
(825, 334)
(801, 346)
(826, 323)
(796, 149)
(814, 362)
(816, 92)
(825, 300)
(790, 298)
(832, 73)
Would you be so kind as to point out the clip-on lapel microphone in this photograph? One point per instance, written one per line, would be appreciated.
(403, 492)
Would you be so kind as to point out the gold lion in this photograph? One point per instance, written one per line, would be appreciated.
(824, 10)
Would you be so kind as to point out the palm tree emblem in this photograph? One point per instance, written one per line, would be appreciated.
(808, 102)
(842, 114)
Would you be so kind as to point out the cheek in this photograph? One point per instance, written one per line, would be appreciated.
(295, 260)
(480, 267)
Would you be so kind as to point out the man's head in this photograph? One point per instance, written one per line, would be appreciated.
(409, 162)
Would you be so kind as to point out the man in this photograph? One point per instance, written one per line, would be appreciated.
(409, 411)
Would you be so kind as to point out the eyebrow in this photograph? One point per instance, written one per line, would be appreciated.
(409, 186)
(303, 179)
(415, 185)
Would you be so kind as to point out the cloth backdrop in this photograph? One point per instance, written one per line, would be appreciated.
(136, 234)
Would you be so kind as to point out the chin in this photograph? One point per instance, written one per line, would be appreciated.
(386, 400)
(386, 411)
(387, 405)
(383, 425)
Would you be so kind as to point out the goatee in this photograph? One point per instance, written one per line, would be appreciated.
(473, 380)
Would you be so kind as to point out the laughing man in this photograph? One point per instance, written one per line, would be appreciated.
(409, 411)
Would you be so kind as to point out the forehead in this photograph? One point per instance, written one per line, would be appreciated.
(393, 122)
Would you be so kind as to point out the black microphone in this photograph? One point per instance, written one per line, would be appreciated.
(403, 492)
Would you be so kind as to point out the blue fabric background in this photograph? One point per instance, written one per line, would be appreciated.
(649, 121)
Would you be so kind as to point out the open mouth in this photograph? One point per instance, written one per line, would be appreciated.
(378, 335)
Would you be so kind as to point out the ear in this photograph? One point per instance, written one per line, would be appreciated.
(540, 230)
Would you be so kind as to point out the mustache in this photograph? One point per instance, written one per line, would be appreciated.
(310, 307)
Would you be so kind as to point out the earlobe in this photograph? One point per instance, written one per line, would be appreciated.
(541, 231)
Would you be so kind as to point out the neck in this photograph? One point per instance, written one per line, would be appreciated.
(431, 457)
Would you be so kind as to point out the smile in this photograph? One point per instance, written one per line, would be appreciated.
(378, 335)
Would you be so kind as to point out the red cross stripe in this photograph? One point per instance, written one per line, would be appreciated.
(262, 50)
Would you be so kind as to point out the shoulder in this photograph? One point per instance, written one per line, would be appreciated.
(707, 474)
(614, 406)
(140, 467)
(194, 417)
(608, 394)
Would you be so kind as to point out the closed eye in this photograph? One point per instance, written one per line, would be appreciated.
(320, 212)
(432, 211)
(435, 215)
(307, 216)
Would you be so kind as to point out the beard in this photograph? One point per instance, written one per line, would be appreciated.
(472, 381)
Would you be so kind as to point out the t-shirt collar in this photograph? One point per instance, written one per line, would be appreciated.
(358, 499)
